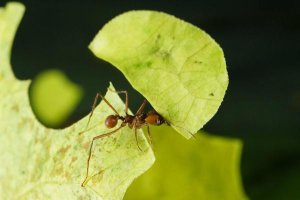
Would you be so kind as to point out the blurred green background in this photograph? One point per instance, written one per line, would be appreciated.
(261, 43)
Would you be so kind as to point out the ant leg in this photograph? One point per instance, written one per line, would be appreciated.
(126, 98)
(87, 129)
(90, 153)
(98, 95)
(149, 136)
(136, 139)
(104, 99)
(142, 107)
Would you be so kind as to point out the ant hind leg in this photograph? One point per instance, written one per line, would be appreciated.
(126, 97)
(86, 180)
(98, 95)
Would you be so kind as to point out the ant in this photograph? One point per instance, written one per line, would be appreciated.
(136, 121)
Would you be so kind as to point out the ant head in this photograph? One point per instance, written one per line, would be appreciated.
(154, 119)
(111, 121)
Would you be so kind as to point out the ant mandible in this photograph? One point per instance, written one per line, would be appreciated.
(136, 121)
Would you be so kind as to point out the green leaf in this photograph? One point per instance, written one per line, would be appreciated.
(41, 163)
(52, 91)
(176, 66)
(207, 168)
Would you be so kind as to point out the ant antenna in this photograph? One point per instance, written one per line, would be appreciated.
(189, 132)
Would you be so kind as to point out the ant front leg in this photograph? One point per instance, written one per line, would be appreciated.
(86, 180)
(136, 138)
(149, 136)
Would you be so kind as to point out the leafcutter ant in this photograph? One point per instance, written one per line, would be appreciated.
(136, 121)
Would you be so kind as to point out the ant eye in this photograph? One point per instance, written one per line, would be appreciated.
(111, 121)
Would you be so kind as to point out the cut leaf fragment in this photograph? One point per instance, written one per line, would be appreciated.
(176, 66)
(41, 163)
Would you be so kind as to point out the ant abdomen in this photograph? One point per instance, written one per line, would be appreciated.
(111, 121)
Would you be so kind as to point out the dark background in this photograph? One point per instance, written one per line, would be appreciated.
(261, 43)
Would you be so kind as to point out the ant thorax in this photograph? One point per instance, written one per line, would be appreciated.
(128, 119)
(136, 121)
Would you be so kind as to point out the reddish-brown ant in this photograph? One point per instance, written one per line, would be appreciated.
(136, 121)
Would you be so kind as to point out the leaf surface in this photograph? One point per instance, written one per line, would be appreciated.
(176, 66)
(41, 163)
(52, 90)
(207, 168)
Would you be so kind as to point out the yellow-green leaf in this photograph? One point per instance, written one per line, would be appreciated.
(207, 168)
(176, 66)
(41, 163)
(64, 96)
